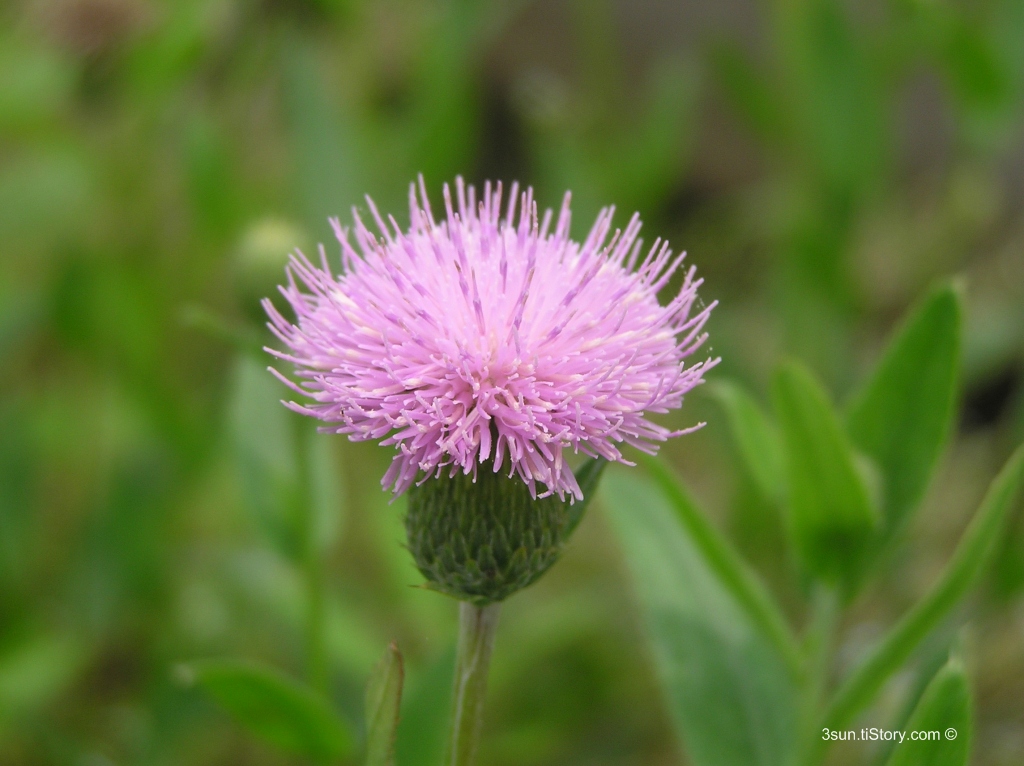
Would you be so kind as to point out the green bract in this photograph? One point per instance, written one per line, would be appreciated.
(482, 540)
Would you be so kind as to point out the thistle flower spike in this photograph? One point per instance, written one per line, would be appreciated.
(492, 339)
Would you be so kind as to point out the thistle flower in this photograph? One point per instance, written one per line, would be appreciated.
(490, 338)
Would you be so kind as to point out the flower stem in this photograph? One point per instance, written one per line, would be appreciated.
(477, 626)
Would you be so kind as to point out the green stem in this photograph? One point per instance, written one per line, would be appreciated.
(477, 626)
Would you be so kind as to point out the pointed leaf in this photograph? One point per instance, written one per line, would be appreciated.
(902, 417)
(275, 708)
(831, 516)
(756, 438)
(383, 699)
(728, 689)
(726, 562)
(944, 713)
(969, 560)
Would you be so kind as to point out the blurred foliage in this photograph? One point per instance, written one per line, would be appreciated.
(824, 162)
(738, 685)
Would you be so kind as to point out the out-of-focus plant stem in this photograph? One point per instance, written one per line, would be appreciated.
(477, 626)
(313, 566)
(817, 647)
(316, 650)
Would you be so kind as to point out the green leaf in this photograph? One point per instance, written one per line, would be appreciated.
(969, 560)
(756, 438)
(831, 516)
(275, 708)
(902, 417)
(266, 452)
(748, 591)
(729, 691)
(944, 712)
(383, 698)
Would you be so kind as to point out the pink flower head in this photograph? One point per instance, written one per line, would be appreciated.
(492, 338)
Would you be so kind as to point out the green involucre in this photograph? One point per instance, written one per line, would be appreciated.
(481, 541)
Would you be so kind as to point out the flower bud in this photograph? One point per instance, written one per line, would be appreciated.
(482, 540)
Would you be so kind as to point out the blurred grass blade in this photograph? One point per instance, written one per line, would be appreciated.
(831, 516)
(837, 98)
(978, 79)
(326, 492)
(969, 560)
(242, 339)
(265, 584)
(944, 707)
(324, 139)
(383, 699)
(749, 92)
(726, 563)
(265, 449)
(902, 417)
(35, 671)
(645, 159)
(443, 114)
(755, 436)
(425, 709)
(275, 708)
(729, 691)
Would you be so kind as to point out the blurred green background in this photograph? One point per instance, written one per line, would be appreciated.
(822, 162)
